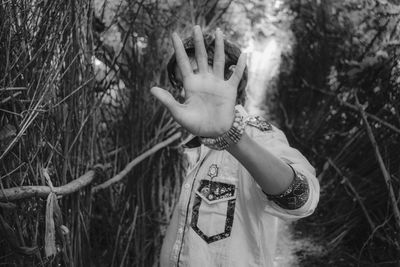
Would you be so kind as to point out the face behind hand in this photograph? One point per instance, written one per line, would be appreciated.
(208, 107)
(231, 52)
(193, 64)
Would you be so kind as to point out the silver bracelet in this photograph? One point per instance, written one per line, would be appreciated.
(232, 136)
(296, 195)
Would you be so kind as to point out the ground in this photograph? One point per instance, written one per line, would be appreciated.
(293, 249)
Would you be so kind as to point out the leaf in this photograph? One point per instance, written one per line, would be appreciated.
(64, 230)
(46, 175)
(382, 53)
(8, 131)
(50, 233)
(353, 72)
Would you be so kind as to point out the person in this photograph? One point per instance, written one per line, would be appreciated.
(242, 175)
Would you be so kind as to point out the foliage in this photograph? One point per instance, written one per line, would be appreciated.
(347, 69)
(75, 94)
(46, 112)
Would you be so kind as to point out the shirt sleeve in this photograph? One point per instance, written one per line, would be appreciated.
(274, 140)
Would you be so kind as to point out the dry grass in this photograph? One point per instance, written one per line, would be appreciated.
(67, 127)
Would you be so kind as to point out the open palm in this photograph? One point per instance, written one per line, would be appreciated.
(209, 104)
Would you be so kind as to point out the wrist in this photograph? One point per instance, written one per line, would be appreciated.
(236, 147)
(225, 128)
(230, 137)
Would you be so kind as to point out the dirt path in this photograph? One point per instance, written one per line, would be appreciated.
(285, 255)
(294, 248)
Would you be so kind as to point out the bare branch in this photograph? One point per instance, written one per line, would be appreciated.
(355, 108)
(134, 162)
(350, 185)
(385, 172)
(21, 192)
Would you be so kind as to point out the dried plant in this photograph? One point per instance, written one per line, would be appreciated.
(342, 109)
(90, 168)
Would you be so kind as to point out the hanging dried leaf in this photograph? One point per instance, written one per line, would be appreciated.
(50, 237)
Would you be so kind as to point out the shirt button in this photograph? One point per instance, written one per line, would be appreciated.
(187, 186)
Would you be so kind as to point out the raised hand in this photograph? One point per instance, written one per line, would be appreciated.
(209, 104)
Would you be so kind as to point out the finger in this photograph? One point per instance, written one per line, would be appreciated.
(167, 100)
(200, 50)
(238, 73)
(181, 56)
(219, 55)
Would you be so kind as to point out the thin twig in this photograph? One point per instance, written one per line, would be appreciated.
(355, 108)
(350, 185)
(134, 162)
(385, 172)
(10, 97)
(32, 117)
(73, 92)
(133, 226)
(12, 88)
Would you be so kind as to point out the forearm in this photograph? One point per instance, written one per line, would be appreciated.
(272, 174)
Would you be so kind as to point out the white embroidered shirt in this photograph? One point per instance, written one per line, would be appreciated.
(223, 218)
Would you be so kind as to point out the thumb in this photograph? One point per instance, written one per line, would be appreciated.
(166, 99)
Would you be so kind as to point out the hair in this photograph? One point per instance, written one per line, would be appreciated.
(232, 53)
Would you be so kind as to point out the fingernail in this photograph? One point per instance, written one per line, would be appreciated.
(197, 27)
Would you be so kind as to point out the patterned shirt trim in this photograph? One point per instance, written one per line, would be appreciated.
(259, 122)
(212, 192)
(296, 195)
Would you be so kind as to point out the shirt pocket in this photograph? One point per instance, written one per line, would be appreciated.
(214, 210)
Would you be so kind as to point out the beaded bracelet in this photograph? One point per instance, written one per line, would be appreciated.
(232, 136)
